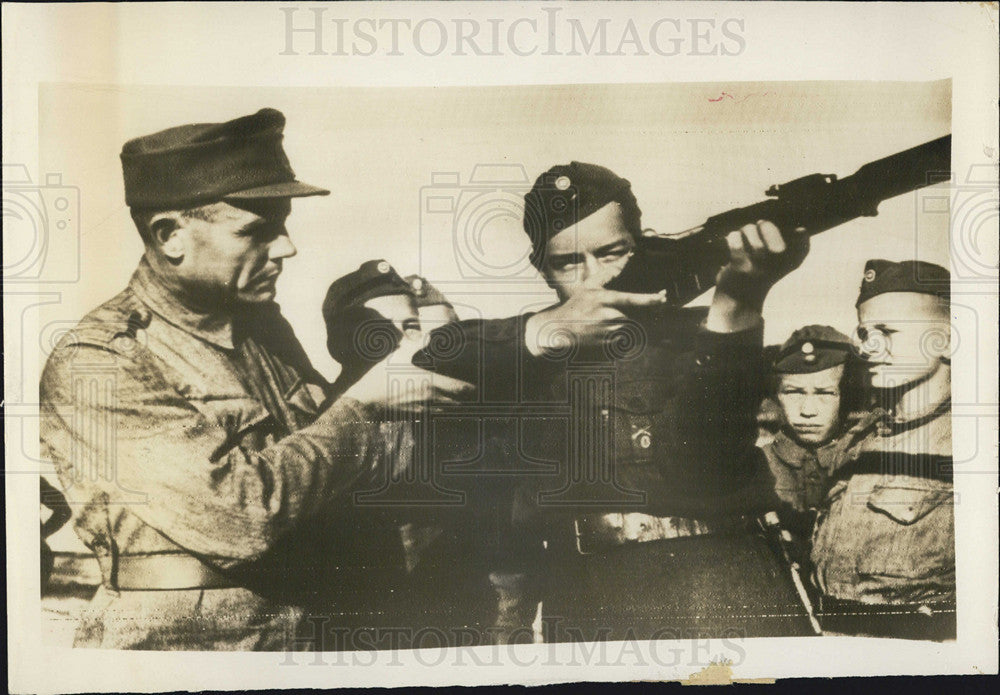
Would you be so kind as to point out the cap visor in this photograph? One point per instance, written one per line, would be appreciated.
(289, 189)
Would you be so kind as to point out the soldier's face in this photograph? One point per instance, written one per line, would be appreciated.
(236, 254)
(400, 309)
(590, 253)
(904, 336)
(811, 404)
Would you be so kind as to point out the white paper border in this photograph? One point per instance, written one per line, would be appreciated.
(239, 44)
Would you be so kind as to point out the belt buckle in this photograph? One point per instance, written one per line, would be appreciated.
(640, 529)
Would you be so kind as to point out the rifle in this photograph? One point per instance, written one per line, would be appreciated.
(685, 264)
(782, 544)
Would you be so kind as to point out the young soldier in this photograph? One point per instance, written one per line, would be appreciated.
(884, 547)
(810, 375)
(636, 439)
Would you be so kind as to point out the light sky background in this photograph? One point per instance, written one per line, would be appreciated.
(690, 150)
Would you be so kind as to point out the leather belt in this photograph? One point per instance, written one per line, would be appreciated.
(595, 533)
(167, 572)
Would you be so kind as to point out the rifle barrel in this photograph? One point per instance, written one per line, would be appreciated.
(685, 264)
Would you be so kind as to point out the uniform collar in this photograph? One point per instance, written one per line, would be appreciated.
(890, 423)
(794, 454)
(927, 434)
(212, 327)
(789, 450)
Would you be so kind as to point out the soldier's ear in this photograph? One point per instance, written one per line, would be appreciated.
(168, 234)
(944, 345)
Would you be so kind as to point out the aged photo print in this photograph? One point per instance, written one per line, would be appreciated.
(508, 382)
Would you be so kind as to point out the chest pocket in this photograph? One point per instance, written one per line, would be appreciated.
(911, 533)
(907, 504)
(249, 424)
(639, 418)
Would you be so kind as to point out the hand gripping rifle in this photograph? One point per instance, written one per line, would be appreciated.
(685, 264)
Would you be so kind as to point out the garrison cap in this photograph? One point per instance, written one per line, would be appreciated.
(883, 276)
(566, 194)
(812, 349)
(372, 279)
(201, 163)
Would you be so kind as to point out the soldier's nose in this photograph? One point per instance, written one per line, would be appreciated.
(591, 272)
(282, 247)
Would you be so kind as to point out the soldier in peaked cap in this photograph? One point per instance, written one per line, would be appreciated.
(813, 378)
(641, 526)
(224, 449)
(884, 546)
(809, 374)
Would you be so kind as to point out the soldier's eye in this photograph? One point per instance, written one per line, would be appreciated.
(563, 263)
(616, 253)
(265, 229)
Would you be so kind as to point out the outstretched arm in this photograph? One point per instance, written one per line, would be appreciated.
(759, 256)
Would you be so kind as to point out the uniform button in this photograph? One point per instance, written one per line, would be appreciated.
(642, 438)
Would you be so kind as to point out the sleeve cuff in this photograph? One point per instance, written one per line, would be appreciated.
(711, 346)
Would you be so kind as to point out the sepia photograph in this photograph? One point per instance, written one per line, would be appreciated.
(583, 370)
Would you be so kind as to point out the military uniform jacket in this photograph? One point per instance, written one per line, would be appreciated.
(660, 420)
(801, 475)
(175, 432)
(886, 532)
